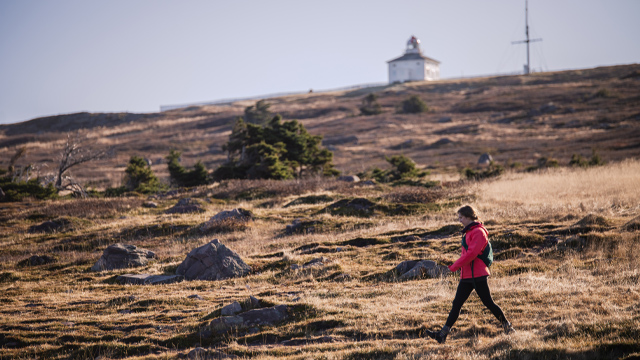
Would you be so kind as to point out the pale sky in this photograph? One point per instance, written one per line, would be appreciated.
(66, 56)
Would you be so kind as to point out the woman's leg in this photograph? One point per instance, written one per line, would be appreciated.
(482, 289)
(462, 294)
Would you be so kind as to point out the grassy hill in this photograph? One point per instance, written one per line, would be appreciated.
(517, 119)
(565, 239)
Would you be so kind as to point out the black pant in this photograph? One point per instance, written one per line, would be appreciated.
(465, 287)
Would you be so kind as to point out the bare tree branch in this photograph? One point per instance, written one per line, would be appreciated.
(73, 154)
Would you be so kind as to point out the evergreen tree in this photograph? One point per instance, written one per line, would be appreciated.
(183, 177)
(140, 177)
(276, 150)
(414, 105)
(258, 113)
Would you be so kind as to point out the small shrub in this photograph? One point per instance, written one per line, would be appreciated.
(403, 168)
(183, 177)
(115, 191)
(413, 105)
(16, 191)
(140, 177)
(493, 170)
(370, 105)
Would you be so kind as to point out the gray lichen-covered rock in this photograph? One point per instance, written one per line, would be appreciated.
(212, 261)
(231, 309)
(251, 318)
(485, 159)
(186, 206)
(120, 256)
(349, 178)
(146, 279)
(413, 269)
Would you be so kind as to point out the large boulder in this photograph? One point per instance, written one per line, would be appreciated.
(251, 318)
(212, 261)
(415, 269)
(186, 206)
(120, 256)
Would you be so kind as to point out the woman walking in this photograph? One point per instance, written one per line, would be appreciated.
(473, 275)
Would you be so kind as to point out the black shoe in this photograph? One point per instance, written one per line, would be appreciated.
(431, 334)
(441, 337)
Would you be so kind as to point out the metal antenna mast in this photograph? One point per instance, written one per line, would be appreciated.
(527, 68)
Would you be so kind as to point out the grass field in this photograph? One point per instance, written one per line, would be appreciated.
(566, 272)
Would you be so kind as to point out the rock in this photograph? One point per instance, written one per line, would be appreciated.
(442, 142)
(146, 279)
(445, 119)
(414, 269)
(212, 261)
(150, 204)
(349, 178)
(253, 302)
(251, 318)
(231, 309)
(195, 296)
(237, 214)
(208, 354)
(186, 206)
(57, 225)
(548, 108)
(120, 256)
(315, 262)
(36, 260)
(485, 159)
(302, 226)
(369, 182)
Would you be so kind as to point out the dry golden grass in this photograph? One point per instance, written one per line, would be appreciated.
(577, 299)
(553, 193)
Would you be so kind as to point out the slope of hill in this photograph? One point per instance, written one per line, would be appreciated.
(517, 119)
(326, 252)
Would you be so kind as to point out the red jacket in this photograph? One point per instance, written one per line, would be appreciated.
(477, 238)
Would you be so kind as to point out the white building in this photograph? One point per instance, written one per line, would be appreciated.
(413, 66)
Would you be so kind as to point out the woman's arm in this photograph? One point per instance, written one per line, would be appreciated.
(476, 240)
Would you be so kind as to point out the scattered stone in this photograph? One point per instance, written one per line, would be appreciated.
(315, 262)
(253, 302)
(212, 261)
(208, 354)
(414, 269)
(445, 119)
(349, 178)
(146, 279)
(186, 206)
(237, 214)
(485, 159)
(442, 142)
(36, 260)
(125, 311)
(57, 225)
(251, 318)
(195, 296)
(369, 182)
(302, 226)
(120, 256)
(231, 309)
(548, 108)
(150, 204)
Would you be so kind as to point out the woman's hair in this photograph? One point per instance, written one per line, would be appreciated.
(469, 212)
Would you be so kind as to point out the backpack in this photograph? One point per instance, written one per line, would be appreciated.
(486, 255)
